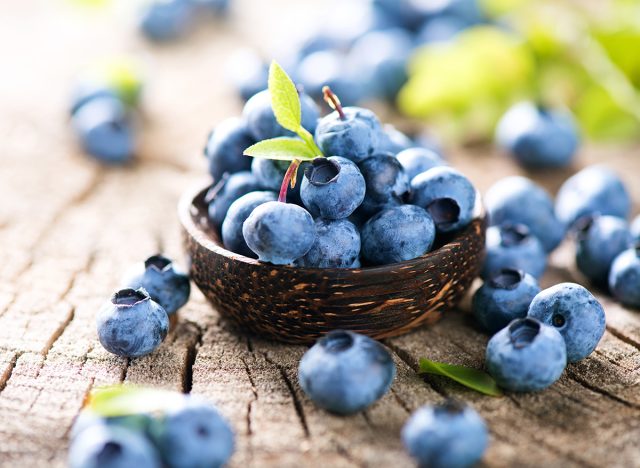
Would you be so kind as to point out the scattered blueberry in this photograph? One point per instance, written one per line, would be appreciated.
(279, 232)
(595, 189)
(105, 129)
(447, 195)
(354, 135)
(445, 436)
(165, 20)
(504, 297)
(513, 246)
(216, 7)
(397, 234)
(599, 240)
(193, 435)
(225, 148)
(386, 183)
(537, 136)
(237, 214)
(262, 123)
(418, 160)
(337, 245)
(526, 356)
(624, 277)
(332, 187)
(88, 90)
(575, 313)
(229, 189)
(345, 372)
(519, 200)
(131, 324)
(165, 284)
(113, 447)
(139, 423)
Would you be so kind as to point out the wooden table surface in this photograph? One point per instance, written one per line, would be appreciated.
(69, 227)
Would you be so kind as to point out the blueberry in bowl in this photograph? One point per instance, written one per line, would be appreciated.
(299, 304)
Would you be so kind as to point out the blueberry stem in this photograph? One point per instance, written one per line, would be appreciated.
(289, 178)
(333, 101)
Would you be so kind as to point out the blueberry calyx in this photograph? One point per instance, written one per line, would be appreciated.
(513, 234)
(558, 320)
(522, 332)
(444, 211)
(636, 247)
(451, 406)
(108, 453)
(337, 341)
(322, 171)
(157, 262)
(506, 278)
(129, 297)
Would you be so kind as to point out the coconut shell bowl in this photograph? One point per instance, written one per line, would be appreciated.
(298, 305)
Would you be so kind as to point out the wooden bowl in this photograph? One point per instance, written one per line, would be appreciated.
(298, 305)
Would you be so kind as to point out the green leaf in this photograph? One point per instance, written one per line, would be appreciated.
(123, 400)
(308, 139)
(284, 98)
(472, 378)
(283, 148)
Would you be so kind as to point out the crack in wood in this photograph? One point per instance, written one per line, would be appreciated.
(250, 403)
(622, 337)
(400, 401)
(190, 358)
(413, 364)
(589, 386)
(4, 378)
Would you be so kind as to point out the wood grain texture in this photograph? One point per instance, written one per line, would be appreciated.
(69, 228)
(298, 305)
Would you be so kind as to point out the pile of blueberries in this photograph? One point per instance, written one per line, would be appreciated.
(188, 433)
(376, 199)
(168, 20)
(136, 319)
(103, 121)
(362, 52)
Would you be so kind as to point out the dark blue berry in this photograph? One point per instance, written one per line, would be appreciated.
(225, 148)
(624, 277)
(237, 214)
(337, 245)
(386, 183)
(418, 160)
(165, 20)
(513, 246)
(227, 190)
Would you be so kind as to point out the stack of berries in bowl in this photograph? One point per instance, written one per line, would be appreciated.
(341, 191)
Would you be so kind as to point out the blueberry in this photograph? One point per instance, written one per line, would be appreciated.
(624, 277)
(332, 187)
(193, 435)
(440, 29)
(261, 120)
(381, 58)
(537, 136)
(216, 7)
(447, 195)
(237, 214)
(139, 423)
(418, 160)
(519, 200)
(112, 447)
(393, 140)
(575, 313)
(513, 246)
(279, 232)
(355, 136)
(328, 68)
(526, 356)
(131, 324)
(397, 234)
(337, 245)
(386, 183)
(270, 174)
(635, 229)
(345, 372)
(165, 20)
(225, 148)
(468, 11)
(228, 190)
(88, 90)
(167, 285)
(450, 435)
(599, 240)
(595, 189)
(105, 130)
(247, 72)
(504, 297)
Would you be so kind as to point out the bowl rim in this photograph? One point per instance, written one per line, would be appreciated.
(187, 212)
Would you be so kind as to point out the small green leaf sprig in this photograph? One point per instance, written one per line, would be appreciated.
(469, 377)
(285, 103)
